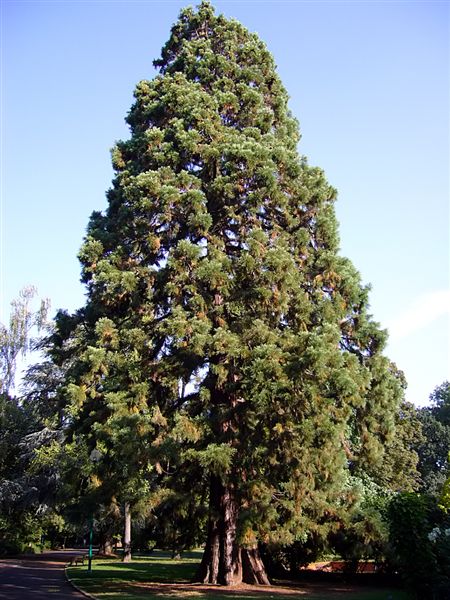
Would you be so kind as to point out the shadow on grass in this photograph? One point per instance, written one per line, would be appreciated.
(157, 577)
(158, 571)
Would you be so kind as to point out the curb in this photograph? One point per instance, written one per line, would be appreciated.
(87, 594)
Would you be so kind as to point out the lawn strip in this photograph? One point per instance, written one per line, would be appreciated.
(160, 578)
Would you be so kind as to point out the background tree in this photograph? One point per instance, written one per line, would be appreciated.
(433, 449)
(397, 471)
(223, 334)
(25, 511)
(444, 500)
(420, 542)
(440, 403)
(15, 339)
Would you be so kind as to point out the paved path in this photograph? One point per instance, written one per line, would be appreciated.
(37, 577)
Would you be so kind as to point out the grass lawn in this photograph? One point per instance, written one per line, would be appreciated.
(158, 577)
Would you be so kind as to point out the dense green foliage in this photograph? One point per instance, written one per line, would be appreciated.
(420, 545)
(224, 338)
(25, 495)
(434, 447)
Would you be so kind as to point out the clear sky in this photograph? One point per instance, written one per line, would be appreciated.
(368, 81)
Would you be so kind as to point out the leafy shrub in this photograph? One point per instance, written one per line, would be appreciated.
(280, 560)
(419, 535)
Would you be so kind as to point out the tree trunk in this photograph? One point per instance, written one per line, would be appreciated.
(224, 562)
(108, 547)
(105, 544)
(127, 535)
(253, 568)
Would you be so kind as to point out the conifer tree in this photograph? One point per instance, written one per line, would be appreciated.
(225, 338)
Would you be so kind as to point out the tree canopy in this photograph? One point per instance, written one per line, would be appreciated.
(225, 348)
(433, 448)
(15, 338)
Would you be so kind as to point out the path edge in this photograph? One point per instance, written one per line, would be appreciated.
(87, 594)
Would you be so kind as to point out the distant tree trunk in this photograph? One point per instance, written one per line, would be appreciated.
(224, 562)
(105, 543)
(127, 535)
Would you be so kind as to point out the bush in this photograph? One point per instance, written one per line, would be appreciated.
(365, 536)
(419, 536)
(280, 560)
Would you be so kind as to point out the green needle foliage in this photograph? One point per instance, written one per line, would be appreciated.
(225, 344)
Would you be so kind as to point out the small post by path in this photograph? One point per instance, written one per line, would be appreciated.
(91, 534)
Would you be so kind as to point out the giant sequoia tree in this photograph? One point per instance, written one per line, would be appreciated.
(227, 344)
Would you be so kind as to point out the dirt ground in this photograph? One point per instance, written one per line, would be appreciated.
(295, 589)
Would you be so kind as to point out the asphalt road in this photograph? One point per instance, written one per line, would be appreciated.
(37, 577)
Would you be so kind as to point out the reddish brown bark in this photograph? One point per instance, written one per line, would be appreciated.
(254, 571)
(224, 561)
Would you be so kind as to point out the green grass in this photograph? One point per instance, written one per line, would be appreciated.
(160, 578)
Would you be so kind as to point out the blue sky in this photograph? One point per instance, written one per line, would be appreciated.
(368, 81)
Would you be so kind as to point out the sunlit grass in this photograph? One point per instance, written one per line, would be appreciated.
(158, 577)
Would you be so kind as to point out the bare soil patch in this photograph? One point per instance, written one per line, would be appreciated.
(288, 589)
